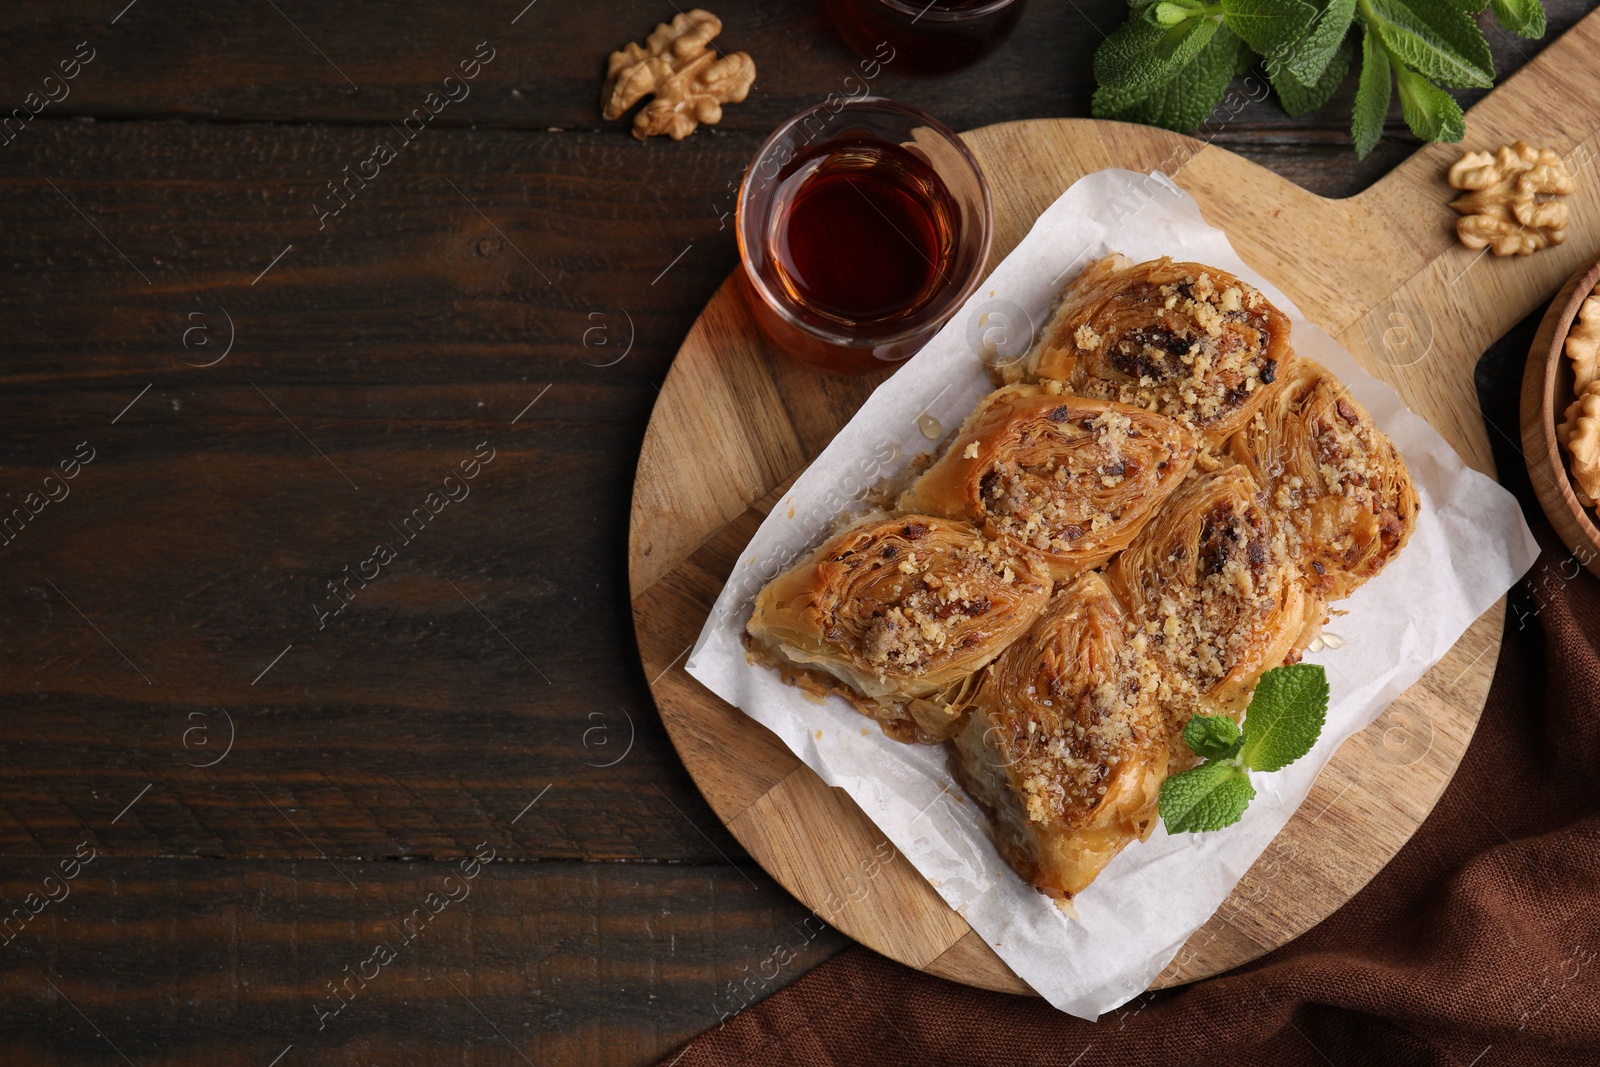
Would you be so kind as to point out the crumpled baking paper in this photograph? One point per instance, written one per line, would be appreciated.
(1470, 545)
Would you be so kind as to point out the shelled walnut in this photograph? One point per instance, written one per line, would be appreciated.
(1579, 430)
(1583, 442)
(1583, 342)
(1501, 209)
(678, 65)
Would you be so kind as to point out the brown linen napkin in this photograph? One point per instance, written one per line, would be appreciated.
(1478, 945)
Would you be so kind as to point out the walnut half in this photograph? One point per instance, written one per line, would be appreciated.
(1501, 208)
(1583, 350)
(1583, 442)
(678, 65)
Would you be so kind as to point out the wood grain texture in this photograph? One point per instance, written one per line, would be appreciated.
(236, 59)
(232, 962)
(406, 334)
(240, 61)
(1347, 264)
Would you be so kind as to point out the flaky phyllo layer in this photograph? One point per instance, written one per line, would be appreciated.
(1328, 468)
(1063, 479)
(1065, 746)
(899, 609)
(1189, 341)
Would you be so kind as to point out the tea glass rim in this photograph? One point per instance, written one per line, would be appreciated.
(925, 10)
(744, 224)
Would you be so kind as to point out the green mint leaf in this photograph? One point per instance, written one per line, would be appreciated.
(1108, 103)
(1316, 50)
(1299, 99)
(1211, 736)
(1435, 38)
(1372, 95)
(1525, 18)
(1285, 716)
(1139, 55)
(1187, 98)
(1271, 27)
(1208, 797)
(1432, 113)
(1168, 13)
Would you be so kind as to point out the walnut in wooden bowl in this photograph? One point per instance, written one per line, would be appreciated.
(1551, 419)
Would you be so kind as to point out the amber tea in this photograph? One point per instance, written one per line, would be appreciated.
(862, 232)
(863, 225)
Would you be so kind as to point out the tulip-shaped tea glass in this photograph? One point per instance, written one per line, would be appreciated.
(863, 225)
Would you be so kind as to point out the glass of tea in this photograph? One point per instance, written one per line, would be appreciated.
(925, 38)
(863, 225)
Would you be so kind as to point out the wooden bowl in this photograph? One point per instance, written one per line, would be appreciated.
(1547, 389)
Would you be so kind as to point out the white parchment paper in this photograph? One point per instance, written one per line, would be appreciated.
(1470, 545)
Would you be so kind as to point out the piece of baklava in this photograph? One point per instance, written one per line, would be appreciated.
(1186, 340)
(1067, 480)
(898, 614)
(1064, 747)
(1214, 595)
(1337, 478)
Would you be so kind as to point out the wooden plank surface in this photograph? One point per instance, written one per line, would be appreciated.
(414, 325)
(233, 961)
(235, 60)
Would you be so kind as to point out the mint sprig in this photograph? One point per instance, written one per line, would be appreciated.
(1428, 109)
(1271, 27)
(1283, 722)
(1372, 94)
(1525, 18)
(1181, 102)
(1433, 37)
(1143, 55)
(1299, 98)
(1309, 57)
(1169, 64)
(1212, 736)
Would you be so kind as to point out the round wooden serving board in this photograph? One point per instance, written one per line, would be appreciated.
(1381, 271)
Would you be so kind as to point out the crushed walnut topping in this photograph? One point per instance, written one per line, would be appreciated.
(1203, 595)
(916, 595)
(1069, 706)
(1066, 479)
(1335, 476)
(1193, 349)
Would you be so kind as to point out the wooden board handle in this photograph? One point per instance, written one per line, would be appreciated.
(1448, 300)
(1551, 101)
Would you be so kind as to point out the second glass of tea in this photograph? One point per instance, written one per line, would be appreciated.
(863, 225)
(924, 36)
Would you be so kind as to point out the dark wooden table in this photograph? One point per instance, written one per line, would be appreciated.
(272, 748)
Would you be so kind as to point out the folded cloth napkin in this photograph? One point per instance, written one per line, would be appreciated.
(1478, 945)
